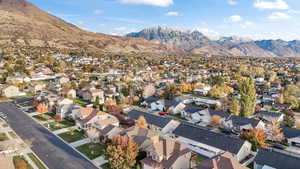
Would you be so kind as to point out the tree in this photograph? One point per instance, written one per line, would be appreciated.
(235, 107)
(248, 97)
(148, 91)
(256, 137)
(121, 153)
(141, 122)
(215, 120)
(298, 124)
(289, 119)
(42, 108)
(275, 131)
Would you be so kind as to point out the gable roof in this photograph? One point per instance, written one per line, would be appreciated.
(276, 160)
(222, 161)
(290, 132)
(151, 99)
(241, 121)
(218, 140)
(150, 118)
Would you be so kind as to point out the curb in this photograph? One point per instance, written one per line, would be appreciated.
(61, 140)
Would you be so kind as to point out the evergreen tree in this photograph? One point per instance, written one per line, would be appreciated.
(248, 97)
(235, 107)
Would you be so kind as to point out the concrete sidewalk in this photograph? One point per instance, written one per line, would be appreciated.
(80, 142)
(63, 130)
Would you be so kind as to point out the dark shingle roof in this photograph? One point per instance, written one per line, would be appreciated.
(276, 160)
(192, 109)
(290, 132)
(150, 118)
(218, 140)
(240, 121)
(151, 99)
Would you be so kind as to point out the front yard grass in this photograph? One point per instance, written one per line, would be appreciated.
(59, 125)
(106, 166)
(44, 117)
(3, 137)
(36, 161)
(81, 102)
(197, 159)
(21, 163)
(92, 150)
(177, 117)
(72, 136)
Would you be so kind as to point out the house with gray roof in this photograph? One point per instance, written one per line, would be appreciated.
(237, 123)
(292, 135)
(209, 144)
(268, 159)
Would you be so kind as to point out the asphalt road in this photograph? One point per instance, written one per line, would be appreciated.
(51, 150)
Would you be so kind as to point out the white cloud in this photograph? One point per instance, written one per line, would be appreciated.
(80, 22)
(235, 18)
(97, 11)
(247, 24)
(232, 2)
(279, 16)
(292, 11)
(172, 13)
(161, 3)
(275, 4)
(122, 30)
(212, 34)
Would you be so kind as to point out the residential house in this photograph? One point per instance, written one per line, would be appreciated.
(238, 124)
(221, 161)
(69, 93)
(9, 91)
(63, 80)
(85, 117)
(142, 136)
(270, 116)
(202, 114)
(268, 159)
(154, 103)
(174, 107)
(92, 94)
(167, 153)
(292, 136)
(155, 122)
(209, 144)
(97, 135)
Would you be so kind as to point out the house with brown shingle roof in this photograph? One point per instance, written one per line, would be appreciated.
(97, 135)
(86, 118)
(222, 161)
(167, 153)
(142, 136)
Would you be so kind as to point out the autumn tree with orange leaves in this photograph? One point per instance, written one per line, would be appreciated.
(121, 153)
(42, 108)
(275, 131)
(141, 122)
(256, 137)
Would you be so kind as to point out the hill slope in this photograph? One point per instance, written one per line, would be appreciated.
(22, 23)
(196, 42)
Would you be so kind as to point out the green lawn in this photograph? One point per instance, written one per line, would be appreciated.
(44, 117)
(19, 159)
(81, 102)
(92, 150)
(72, 136)
(177, 117)
(36, 161)
(105, 166)
(3, 137)
(59, 125)
(197, 158)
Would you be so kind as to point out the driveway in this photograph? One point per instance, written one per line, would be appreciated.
(50, 149)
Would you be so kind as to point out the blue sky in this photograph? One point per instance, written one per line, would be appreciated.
(255, 19)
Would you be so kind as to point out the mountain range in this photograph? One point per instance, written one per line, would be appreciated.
(198, 43)
(22, 23)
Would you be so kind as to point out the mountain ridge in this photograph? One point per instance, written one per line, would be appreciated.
(196, 42)
(24, 24)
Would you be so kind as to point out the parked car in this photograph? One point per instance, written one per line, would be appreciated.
(162, 113)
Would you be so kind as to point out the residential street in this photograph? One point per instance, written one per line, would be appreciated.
(50, 149)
